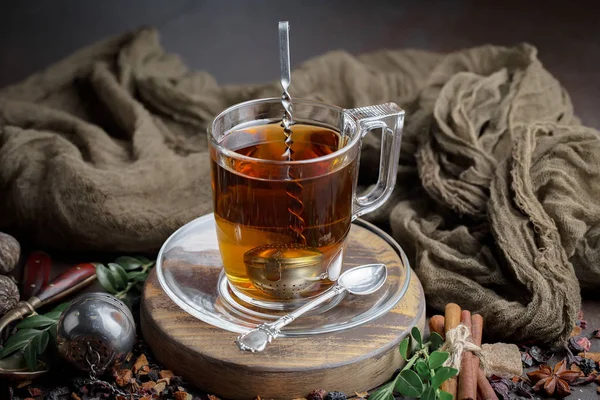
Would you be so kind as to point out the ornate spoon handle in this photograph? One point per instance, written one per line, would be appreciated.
(257, 339)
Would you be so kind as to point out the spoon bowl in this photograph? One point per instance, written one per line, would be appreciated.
(364, 280)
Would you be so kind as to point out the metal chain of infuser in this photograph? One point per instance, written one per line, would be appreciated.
(294, 188)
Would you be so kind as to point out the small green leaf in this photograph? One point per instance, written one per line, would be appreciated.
(404, 348)
(30, 355)
(423, 370)
(436, 341)
(35, 321)
(105, 278)
(61, 307)
(17, 341)
(437, 358)
(383, 393)
(144, 260)
(416, 334)
(130, 263)
(54, 315)
(52, 331)
(42, 341)
(409, 384)
(119, 275)
(441, 375)
(428, 394)
(444, 395)
(134, 274)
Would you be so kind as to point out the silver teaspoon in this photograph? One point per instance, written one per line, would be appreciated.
(360, 281)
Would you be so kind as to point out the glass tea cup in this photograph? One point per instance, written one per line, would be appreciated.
(283, 218)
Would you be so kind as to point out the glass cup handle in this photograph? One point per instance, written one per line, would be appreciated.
(389, 118)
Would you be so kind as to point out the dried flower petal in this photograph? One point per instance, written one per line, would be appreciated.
(212, 397)
(584, 343)
(576, 331)
(579, 343)
(501, 386)
(539, 355)
(524, 390)
(526, 359)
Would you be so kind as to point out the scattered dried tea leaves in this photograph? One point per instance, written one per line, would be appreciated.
(317, 394)
(141, 362)
(179, 395)
(575, 367)
(159, 387)
(166, 374)
(23, 384)
(591, 356)
(148, 385)
(122, 377)
(587, 366)
(502, 386)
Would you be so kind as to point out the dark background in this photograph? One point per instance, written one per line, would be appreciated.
(236, 41)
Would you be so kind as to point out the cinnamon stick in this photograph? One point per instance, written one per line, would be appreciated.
(484, 389)
(451, 319)
(436, 324)
(467, 380)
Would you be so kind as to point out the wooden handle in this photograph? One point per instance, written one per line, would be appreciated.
(36, 274)
(66, 283)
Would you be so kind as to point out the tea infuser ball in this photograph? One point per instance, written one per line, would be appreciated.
(96, 331)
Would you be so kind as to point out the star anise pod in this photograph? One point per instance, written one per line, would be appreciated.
(554, 382)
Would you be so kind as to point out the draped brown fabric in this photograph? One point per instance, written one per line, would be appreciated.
(497, 200)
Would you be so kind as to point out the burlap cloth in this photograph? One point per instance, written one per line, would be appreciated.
(498, 193)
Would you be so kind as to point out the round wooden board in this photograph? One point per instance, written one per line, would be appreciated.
(358, 359)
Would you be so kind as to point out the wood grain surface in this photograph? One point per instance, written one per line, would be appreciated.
(355, 360)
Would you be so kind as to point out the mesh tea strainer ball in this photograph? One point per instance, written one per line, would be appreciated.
(284, 271)
(95, 331)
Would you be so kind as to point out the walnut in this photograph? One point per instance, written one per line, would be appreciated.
(10, 250)
(9, 294)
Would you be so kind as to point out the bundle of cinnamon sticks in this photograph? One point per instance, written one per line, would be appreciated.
(471, 383)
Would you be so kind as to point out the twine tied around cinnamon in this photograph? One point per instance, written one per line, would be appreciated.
(459, 340)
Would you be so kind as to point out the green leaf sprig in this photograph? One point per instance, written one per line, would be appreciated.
(124, 277)
(423, 374)
(33, 335)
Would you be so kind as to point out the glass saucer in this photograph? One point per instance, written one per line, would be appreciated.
(190, 271)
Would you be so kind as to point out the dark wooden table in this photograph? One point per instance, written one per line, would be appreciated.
(236, 41)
